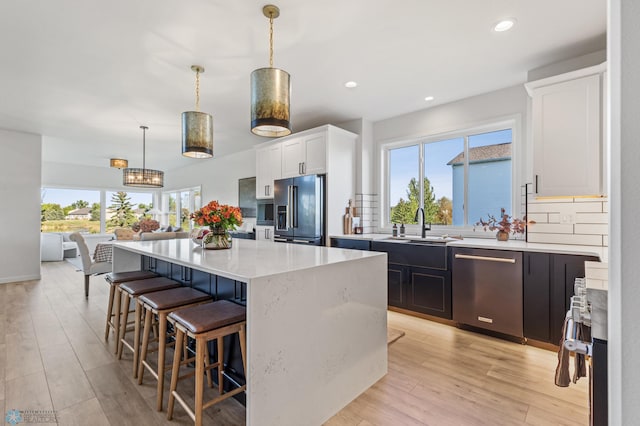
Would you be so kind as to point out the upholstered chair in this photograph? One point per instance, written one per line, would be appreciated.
(89, 267)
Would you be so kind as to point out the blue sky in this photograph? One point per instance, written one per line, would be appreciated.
(66, 197)
(404, 163)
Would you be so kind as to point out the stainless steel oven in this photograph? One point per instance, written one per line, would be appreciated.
(265, 212)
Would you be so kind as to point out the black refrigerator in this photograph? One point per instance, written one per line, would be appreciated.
(300, 210)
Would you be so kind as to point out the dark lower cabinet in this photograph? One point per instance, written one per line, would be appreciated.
(429, 292)
(536, 296)
(419, 278)
(548, 287)
(349, 243)
(396, 284)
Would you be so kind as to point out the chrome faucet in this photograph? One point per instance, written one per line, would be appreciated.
(423, 227)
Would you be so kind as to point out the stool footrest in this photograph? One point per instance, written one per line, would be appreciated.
(224, 396)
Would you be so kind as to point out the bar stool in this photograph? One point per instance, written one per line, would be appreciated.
(113, 315)
(131, 290)
(204, 323)
(161, 303)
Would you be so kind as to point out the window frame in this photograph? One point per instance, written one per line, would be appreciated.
(510, 122)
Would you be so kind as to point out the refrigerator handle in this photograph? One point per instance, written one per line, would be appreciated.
(289, 187)
(294, 206)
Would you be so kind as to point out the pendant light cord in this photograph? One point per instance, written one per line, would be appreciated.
(144, 140)
(198, 91)
(271, 40)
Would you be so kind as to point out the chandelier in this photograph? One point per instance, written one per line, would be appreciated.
(143, 178)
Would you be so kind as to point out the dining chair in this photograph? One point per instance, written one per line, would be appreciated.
(89, 266)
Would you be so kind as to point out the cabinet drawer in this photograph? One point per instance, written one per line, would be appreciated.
(426, 256)
(348, 243)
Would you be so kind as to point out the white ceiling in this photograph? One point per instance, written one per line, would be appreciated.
(86, 74)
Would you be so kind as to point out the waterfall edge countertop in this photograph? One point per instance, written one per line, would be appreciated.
(246, 259)
(316, 320)
(489, 243)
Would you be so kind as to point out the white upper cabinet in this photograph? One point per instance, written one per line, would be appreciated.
(567, 119)
(305, 155)
(268, 169)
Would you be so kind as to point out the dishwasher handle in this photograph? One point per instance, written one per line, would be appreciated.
(486, 258)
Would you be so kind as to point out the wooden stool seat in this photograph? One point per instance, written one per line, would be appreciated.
(129, 291)
(161, 303)
(210, 321)
(113, 315)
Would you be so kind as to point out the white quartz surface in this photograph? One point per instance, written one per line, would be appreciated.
(247, 259)
(489, 243)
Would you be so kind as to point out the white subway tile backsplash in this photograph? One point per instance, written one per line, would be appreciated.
(582, 221)
(583, 240)
(539, 217)
(591, 229)
(551, 228)
(592, 218)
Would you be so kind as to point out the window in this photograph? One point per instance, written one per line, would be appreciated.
(179, 205)
(70, 210)
(81, 210)
(456, 180)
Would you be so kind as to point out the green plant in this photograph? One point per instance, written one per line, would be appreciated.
(504, 223)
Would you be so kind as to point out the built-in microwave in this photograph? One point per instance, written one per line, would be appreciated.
(265, 212)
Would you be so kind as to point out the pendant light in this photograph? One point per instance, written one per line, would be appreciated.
(197, 127)
(270, 92)
(143, 178)
(118, 163)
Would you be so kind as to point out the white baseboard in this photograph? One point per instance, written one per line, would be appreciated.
(7, 280)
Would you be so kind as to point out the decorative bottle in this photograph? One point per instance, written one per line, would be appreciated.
(394, 230)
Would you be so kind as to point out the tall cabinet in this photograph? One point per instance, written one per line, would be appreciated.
(568, 139)
(326, 150)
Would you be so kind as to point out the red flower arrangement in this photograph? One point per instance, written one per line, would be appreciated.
(216, 215)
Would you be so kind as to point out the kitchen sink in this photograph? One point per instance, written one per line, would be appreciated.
(426, 240)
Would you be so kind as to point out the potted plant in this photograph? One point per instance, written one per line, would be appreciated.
(504, 224)
(220, 218)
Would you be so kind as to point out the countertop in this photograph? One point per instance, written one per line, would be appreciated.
(490, 243)
(246, 259)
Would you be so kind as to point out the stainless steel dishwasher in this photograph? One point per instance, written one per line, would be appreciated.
(487, 289)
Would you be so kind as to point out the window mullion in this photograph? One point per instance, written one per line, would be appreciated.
(465, 202)
(421, 175)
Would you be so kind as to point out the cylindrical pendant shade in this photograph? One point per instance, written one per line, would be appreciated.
(143, 178)
(197, 134)
(270, 99)
(118, 163)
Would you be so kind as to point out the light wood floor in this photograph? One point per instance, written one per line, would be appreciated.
(53, 357)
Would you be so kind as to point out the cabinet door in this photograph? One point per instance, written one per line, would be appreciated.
(264, 233)
(567, 138)
(565, 270)
(396, 285)
(349, 243)
(293, 153)
(315, 162)
(429, 292)
(536, 296)
(268, 169)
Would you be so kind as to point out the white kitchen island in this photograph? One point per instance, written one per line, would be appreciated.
(316, 320)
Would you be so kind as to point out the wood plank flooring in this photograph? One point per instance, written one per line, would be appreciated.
(53, 357)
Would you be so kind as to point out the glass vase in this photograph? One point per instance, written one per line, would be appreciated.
(217, 239)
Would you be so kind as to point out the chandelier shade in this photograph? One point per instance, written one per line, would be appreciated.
(270, 92)
(197, 127)
(118, 163)
(143, 178)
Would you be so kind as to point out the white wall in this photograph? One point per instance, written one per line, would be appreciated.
(64, 175)
(20, 214)
(218, 176)
(624, 233)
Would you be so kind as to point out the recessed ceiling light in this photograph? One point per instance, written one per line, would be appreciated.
(350, 84)
(429, 98)
(504, 25)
